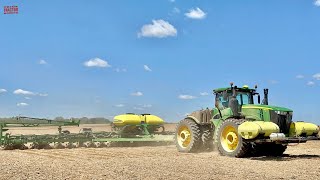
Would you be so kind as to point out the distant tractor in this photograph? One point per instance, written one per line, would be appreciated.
(239, 128)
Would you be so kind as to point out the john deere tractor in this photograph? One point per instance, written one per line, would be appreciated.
(238, 127)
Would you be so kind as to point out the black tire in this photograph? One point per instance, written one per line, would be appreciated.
(70, 145)
(274, 149)
(8, 147)
(58, 146)
(91, 145)
(207, 138)
(255, 150)
(194, 140)
(35, 145)
(242, 147)
(278, 149)
(23, 147)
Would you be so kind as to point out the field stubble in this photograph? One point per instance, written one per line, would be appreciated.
(162, 162)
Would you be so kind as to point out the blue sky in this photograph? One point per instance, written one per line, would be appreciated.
(103, 58)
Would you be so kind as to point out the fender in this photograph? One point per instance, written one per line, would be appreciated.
(194, 119)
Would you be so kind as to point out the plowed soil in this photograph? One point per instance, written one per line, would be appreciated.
(162, 162)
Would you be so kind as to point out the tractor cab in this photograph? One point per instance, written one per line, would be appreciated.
(243, 95)
(229, 101)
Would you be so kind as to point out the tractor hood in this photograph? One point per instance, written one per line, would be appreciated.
(266, 107)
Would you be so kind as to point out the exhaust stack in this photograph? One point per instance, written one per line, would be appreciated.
(265, 99)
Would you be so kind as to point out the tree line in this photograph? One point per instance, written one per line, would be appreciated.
(83, 120)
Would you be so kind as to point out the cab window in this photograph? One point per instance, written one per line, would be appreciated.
(244, 98)
(223, 100)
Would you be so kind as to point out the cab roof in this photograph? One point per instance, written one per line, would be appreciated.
(243, 89)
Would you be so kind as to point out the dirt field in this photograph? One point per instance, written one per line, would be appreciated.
(300, 162)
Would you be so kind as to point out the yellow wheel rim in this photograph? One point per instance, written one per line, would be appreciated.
(184, 136)
(229, 138)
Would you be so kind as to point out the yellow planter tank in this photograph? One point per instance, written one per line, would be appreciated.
(136, 119)
(299, 128)
(251, 129)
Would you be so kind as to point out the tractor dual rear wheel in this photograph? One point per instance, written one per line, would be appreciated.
(207, 138)
(188, 136)
(229, 142)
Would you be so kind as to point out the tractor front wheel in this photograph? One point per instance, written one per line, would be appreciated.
(230, 143)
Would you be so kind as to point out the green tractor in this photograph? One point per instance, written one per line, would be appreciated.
(238, 127)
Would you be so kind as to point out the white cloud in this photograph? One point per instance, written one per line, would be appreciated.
(22, 104)
(119, 105)
(316, 76)
(300, 76)
(311, 83)
(28, 98)
(42, 62)
(96, 62)
(28, 93)
(3, 91)
(196, 14)
(317, 3)
(186, 97)
(158, 28)
(138, 93)
(23, 92)
(204, 94)
(121, 70)
(147, 68)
